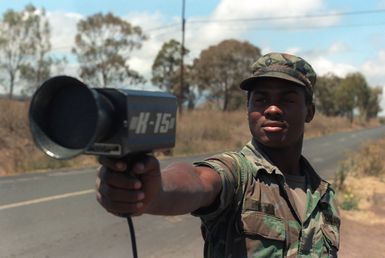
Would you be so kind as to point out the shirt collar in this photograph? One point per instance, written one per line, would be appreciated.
(259, 158)
(262, 162)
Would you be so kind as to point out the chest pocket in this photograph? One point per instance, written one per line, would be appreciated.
(264, 234)
(330, 232)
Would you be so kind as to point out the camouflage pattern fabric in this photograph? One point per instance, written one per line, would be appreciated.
(283, 66)
(256, 214)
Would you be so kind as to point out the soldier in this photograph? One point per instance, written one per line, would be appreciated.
(263, 201)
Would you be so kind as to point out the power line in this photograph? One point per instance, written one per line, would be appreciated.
(276, 28)
(270, 18)
(163, 27)
(307, 16)
(297, 27)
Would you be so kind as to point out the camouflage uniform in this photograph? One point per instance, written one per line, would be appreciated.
(256, 214)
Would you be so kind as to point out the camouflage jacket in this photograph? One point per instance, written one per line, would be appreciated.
(255, 215)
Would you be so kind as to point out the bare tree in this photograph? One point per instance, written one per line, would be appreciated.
(103, 47)
(24, 45)
(220, 68)
(166, 71)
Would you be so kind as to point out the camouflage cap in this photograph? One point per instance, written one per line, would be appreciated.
(283, 66)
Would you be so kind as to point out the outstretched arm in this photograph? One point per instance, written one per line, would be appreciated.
(180, 188)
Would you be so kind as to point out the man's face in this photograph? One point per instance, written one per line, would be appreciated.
(277, 113)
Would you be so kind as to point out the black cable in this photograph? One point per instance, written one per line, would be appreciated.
(133, 239)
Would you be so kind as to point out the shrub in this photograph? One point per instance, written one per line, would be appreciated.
(350, 201)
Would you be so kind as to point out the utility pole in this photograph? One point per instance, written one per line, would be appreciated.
(181, 92)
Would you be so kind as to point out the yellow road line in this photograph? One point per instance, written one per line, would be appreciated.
(45, 199)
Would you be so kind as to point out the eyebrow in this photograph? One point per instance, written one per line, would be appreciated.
(286, 92)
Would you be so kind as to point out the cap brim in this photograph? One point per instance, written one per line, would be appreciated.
(249, 83)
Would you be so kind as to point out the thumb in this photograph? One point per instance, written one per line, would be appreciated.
(146, 165)
(117, 165)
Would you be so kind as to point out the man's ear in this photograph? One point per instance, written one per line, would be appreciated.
(310, 112)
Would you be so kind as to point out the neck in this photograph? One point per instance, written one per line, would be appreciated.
(290, 164)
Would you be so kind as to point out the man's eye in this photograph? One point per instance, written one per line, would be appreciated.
(289, 100)
(260, 100)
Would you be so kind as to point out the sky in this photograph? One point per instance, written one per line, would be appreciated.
(338, 37)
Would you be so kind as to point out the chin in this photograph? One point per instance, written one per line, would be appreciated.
(271, 142)
(276, 140)
(279, 142)
(275, 144)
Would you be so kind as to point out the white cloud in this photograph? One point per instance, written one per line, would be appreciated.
(374, 68)
(252, 8)
(381, 4)
(329, 51)
(142, 59)
(338, 47)
(293, 50)
(246, 15)
(199, 35)
(323, 59)
(266, 50)
(145, 20)
(63, 30)
(251, 13)
(373, 71)
(323, 66)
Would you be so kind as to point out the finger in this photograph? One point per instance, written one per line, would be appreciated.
(119, 195)
(118, 165)
(138, 168)
(118, 208)
(119, 180)
(98, 181)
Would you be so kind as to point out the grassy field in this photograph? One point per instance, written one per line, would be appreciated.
(366, 167)
(199, 131)
(360, 187)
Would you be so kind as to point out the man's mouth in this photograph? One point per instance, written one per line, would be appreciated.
(273, 127)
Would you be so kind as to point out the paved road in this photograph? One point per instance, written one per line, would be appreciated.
(56, 215)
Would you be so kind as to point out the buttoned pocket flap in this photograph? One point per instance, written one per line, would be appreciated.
(331, 234)
(265, 225)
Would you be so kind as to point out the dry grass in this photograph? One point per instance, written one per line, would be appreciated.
(360, 183)
(14, 140)
(323, 125)
(18, 154)
(368, 161)
(369, 192)
(199, 131)
(203, 131)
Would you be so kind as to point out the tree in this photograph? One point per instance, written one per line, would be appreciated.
(325, 94)
(103, 47)
(188, 94)
(373, 107)
(38, 68)
(345, 101)
(220, 68)
(166, 71)
(353, 92)
(362, 92)
(24, 45)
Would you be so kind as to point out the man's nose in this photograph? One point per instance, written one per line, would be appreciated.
(273, 112)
